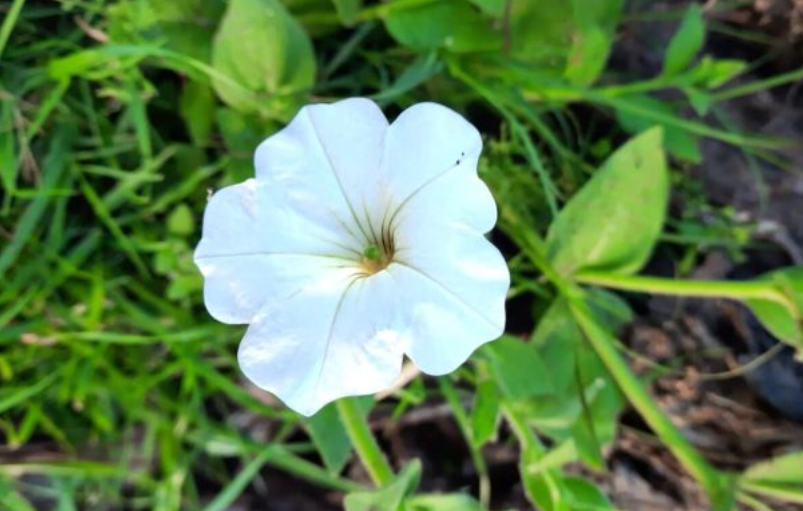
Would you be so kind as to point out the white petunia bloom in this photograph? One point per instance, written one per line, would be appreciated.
(357, 243)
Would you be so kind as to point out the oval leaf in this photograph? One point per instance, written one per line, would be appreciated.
(783, 323)
(517, 369)
(264, 51)
(686, 42)
(594, 28)
(614, 221)
(785, 469)
(455, 26)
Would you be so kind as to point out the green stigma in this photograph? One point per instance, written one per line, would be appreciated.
(372, 252)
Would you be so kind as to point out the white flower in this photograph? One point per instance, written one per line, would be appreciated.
(358, 243)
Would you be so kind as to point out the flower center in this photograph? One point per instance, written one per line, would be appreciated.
(375, 258)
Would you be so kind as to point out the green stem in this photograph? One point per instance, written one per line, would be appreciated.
(737, 290)
(364, 442)
(641, 87)
(542, 487)
(698, 128)
(759, 85)
(605, 347)
(450, 393)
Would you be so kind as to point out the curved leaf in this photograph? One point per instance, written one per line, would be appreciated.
(261, 47)
(783, 323)
(614, 221)
(453, 25)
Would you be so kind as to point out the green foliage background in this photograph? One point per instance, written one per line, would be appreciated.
(117, 116)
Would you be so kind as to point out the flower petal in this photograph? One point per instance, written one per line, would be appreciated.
(454, 281)
(453, 285)
(330, 153)
(255, 238)
(339, 336)
(428, 143)
(457, 196)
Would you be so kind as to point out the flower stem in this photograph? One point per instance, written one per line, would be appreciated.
(364, 442)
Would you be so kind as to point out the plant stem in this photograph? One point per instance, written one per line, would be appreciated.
(749, 290)
(759, 85)
(464, 423)
(364, 442)
(543, 487)
(605, 347)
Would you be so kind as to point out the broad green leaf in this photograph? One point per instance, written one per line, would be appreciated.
(185, 26)
(389, 498)
(679, 142)
(422, 69)
(347, 10)
(594, 28)
(686, 42)
(453, 25)
(713, 73)
(187, 10)
(563, 453)
(451, 502)
(262, 48)
(587, 441)
(783, 323)
(544, 488)
(485, 413)
(180, 221)
(541, 33)
(330, 437)
(614, 221)
(583, 495)
(699, 100)
(588, 401)
(559, 339)
(786, 469)
(495, 8)
(517, 368)
(241, 135)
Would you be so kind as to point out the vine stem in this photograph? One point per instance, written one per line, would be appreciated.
(364, 442)
(750, 290)
(715, 483)
(604, 345)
